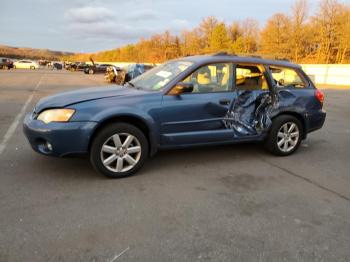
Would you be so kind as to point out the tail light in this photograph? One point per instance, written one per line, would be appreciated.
(319, 95)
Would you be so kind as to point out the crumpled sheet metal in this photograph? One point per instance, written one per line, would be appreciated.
(249, 114)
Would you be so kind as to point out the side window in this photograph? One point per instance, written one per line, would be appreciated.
(287, 77)
(250, 77)
(211, 78)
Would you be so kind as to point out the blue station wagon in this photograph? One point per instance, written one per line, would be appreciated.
(192, 101)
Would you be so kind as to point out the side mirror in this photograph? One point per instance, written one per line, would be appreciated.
(181, 88)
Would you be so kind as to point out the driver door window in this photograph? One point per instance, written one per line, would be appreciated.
(211, 78)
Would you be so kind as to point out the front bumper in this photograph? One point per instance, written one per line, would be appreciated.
(64, 138)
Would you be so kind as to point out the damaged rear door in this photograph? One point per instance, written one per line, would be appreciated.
(249, 113)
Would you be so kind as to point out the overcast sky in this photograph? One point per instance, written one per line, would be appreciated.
(92, 25)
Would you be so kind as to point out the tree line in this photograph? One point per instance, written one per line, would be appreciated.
(323, 37)
(31, 53)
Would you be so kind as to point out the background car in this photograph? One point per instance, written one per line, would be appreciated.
(25, 64)
(6, 63)
(96, 69)
(43, 62)
(115, 74)
(55, 66)
(77, 66)
(135, 70)
(120, 76)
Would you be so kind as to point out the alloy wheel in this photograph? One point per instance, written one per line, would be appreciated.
(120, 152)
(288, 137)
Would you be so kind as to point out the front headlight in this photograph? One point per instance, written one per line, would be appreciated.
(56, 115)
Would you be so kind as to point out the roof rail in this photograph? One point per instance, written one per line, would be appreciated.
(223, 54)
(220, 54)
(283, 59)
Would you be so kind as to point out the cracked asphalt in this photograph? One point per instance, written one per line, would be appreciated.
(227, 203)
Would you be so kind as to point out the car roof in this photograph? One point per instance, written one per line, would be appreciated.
(204, 59)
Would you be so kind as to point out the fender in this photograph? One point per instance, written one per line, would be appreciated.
(133, 113)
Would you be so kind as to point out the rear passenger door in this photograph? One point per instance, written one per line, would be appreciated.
(247, 114)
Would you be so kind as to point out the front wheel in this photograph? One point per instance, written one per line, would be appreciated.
(285, 135)
(119, 150)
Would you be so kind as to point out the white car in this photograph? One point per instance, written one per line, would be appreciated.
(25, 64)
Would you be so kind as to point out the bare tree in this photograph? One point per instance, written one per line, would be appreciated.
(275, 37)
(298, 32)
(206, 28)
(326, 25)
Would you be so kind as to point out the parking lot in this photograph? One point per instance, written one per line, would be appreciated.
(227, 203)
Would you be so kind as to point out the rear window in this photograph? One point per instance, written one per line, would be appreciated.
(287, 77)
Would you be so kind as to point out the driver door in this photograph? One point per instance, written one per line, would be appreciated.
(196, 117)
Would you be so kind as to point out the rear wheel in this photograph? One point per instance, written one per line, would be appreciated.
(119, 150)
(285, 135)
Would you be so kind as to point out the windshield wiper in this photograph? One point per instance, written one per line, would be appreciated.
(130, 84)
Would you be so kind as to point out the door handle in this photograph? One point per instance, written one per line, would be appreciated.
(225, 102)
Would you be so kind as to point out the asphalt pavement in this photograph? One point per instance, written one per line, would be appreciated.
(227, 203)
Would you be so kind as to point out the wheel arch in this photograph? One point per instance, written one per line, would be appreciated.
(298, 116)
(129, 119)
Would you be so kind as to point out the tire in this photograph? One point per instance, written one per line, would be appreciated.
(91, 72)
(285, 135)
(105, 147)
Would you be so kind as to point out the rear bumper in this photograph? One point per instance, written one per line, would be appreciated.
(315, 121)
(64, 138)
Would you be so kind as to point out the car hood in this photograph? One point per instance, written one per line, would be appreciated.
(73, 97)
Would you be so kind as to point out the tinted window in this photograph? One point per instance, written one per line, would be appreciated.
(251, 77)
(211, 78)
(287, 77)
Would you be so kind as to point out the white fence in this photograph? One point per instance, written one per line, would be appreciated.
(328, 74)
(319, 73)
(119, 64)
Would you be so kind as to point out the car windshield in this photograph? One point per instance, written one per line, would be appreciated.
(156, 78)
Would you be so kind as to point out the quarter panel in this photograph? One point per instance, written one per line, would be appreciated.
(302, 102)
